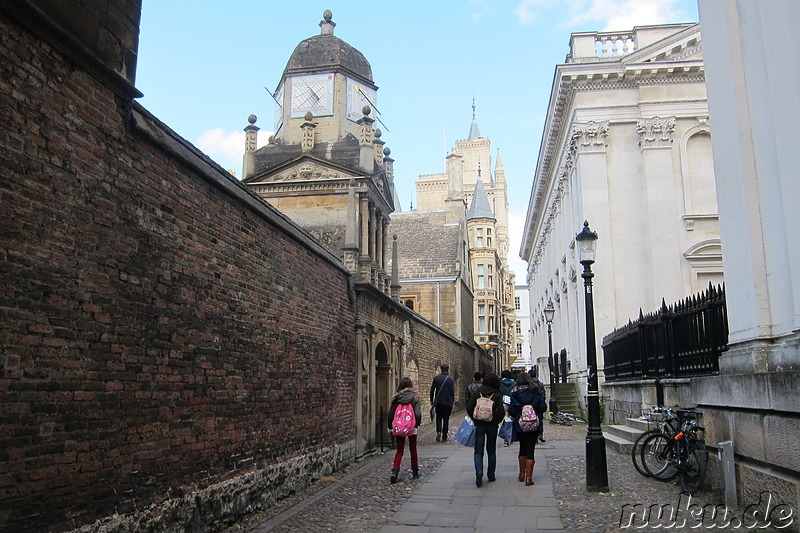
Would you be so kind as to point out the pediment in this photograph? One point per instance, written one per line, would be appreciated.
(685, 45)
(303, 169)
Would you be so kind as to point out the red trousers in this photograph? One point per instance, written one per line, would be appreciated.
(412, 446)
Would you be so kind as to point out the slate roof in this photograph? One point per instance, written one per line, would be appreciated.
(480, 207)
(428, 246)
(328, 53)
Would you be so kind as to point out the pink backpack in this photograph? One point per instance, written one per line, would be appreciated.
(528, 421)
(483, 409)
(404, 420)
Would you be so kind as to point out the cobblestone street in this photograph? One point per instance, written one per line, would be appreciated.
(360, 499)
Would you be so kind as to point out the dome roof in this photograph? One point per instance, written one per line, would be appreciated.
(326, 53)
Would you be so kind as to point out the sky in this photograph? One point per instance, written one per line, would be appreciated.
(204, 66)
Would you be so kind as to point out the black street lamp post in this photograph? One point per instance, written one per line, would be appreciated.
(596, 467)
(549, 313)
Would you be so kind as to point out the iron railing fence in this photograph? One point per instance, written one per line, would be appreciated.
(680, 340)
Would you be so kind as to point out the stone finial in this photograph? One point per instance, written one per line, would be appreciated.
(308, 126)
(327, 24)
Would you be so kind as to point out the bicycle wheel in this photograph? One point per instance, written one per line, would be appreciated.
(636, 451)
(694, 468)
(658, 457)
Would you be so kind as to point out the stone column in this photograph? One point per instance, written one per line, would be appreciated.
(655, 141)
(250, 147)
(364, 212)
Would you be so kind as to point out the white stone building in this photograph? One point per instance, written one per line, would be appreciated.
(522, 328)
(627, 148)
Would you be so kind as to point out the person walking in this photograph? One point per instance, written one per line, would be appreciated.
(539, 384)
(526, 393)
(473, 387)
(506, 386)
(443, 393)
(486, 430)
(405, 395)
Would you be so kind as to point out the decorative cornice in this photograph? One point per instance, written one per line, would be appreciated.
(655, 132)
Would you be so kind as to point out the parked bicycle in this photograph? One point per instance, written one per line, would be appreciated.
(666, 455)
(666, 422)
(565, 419)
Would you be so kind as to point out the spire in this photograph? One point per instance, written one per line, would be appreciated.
(499, 172)
(480, 208)
(474, 134)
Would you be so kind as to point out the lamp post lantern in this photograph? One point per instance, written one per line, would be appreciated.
(549, 313)
(596, 467)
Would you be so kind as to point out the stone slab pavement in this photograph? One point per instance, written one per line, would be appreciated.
(449, 501)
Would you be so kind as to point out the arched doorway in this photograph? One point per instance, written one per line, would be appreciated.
(383, 389)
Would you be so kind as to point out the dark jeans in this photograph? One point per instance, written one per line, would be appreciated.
(527, 443)
(412, 447)
(486, 436)
(443, 419)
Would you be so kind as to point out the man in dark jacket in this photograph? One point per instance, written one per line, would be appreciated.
(473, 387)
(443, 394)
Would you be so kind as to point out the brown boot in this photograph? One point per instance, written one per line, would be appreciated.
(529, 463)
(522, 461)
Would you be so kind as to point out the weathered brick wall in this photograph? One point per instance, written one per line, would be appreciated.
(160, 327)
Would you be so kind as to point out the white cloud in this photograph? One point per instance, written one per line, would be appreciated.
(619, 15)
(602, 15)
(528, 11)
(516, 224)
(481, 9)
(227, 147)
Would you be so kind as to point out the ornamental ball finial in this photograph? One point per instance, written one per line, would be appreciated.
(308, 116)
(386, 151)
(366, 109)
(252, 119)
(327, 15)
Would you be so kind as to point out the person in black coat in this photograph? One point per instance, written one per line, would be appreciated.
(526, 393)
(486, 431)
(443, 394)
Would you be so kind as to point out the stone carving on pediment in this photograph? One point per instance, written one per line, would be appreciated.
(306, 172)
(655, 132)
(589, 136)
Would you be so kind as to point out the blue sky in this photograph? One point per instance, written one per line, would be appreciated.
(204, 65)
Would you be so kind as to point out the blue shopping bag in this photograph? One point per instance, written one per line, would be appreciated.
(466, 432)
(506, 429)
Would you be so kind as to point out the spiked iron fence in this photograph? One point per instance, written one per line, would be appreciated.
(680, 340)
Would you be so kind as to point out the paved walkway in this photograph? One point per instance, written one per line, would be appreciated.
(450, 501)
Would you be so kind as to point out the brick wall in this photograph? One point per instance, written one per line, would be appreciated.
(160, 326)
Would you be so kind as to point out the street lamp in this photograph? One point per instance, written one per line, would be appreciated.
(596, 468)
(549, 313)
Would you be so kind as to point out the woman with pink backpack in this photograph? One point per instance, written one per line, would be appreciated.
(403, 421)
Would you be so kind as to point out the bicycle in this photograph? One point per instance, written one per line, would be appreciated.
(565, 419)
(667, 422)
(665, 456)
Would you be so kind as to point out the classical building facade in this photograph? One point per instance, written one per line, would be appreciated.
(479, 200)
(627, 148)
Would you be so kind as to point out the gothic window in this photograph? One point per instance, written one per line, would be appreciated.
(481, 277)
(481, 318)
(479, 237)
(488, 237)
(491, 318)
(490, 277)
(409, 304)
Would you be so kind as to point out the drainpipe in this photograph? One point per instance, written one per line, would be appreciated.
(438, 305)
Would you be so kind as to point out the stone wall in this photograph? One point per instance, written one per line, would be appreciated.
(160, 324)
